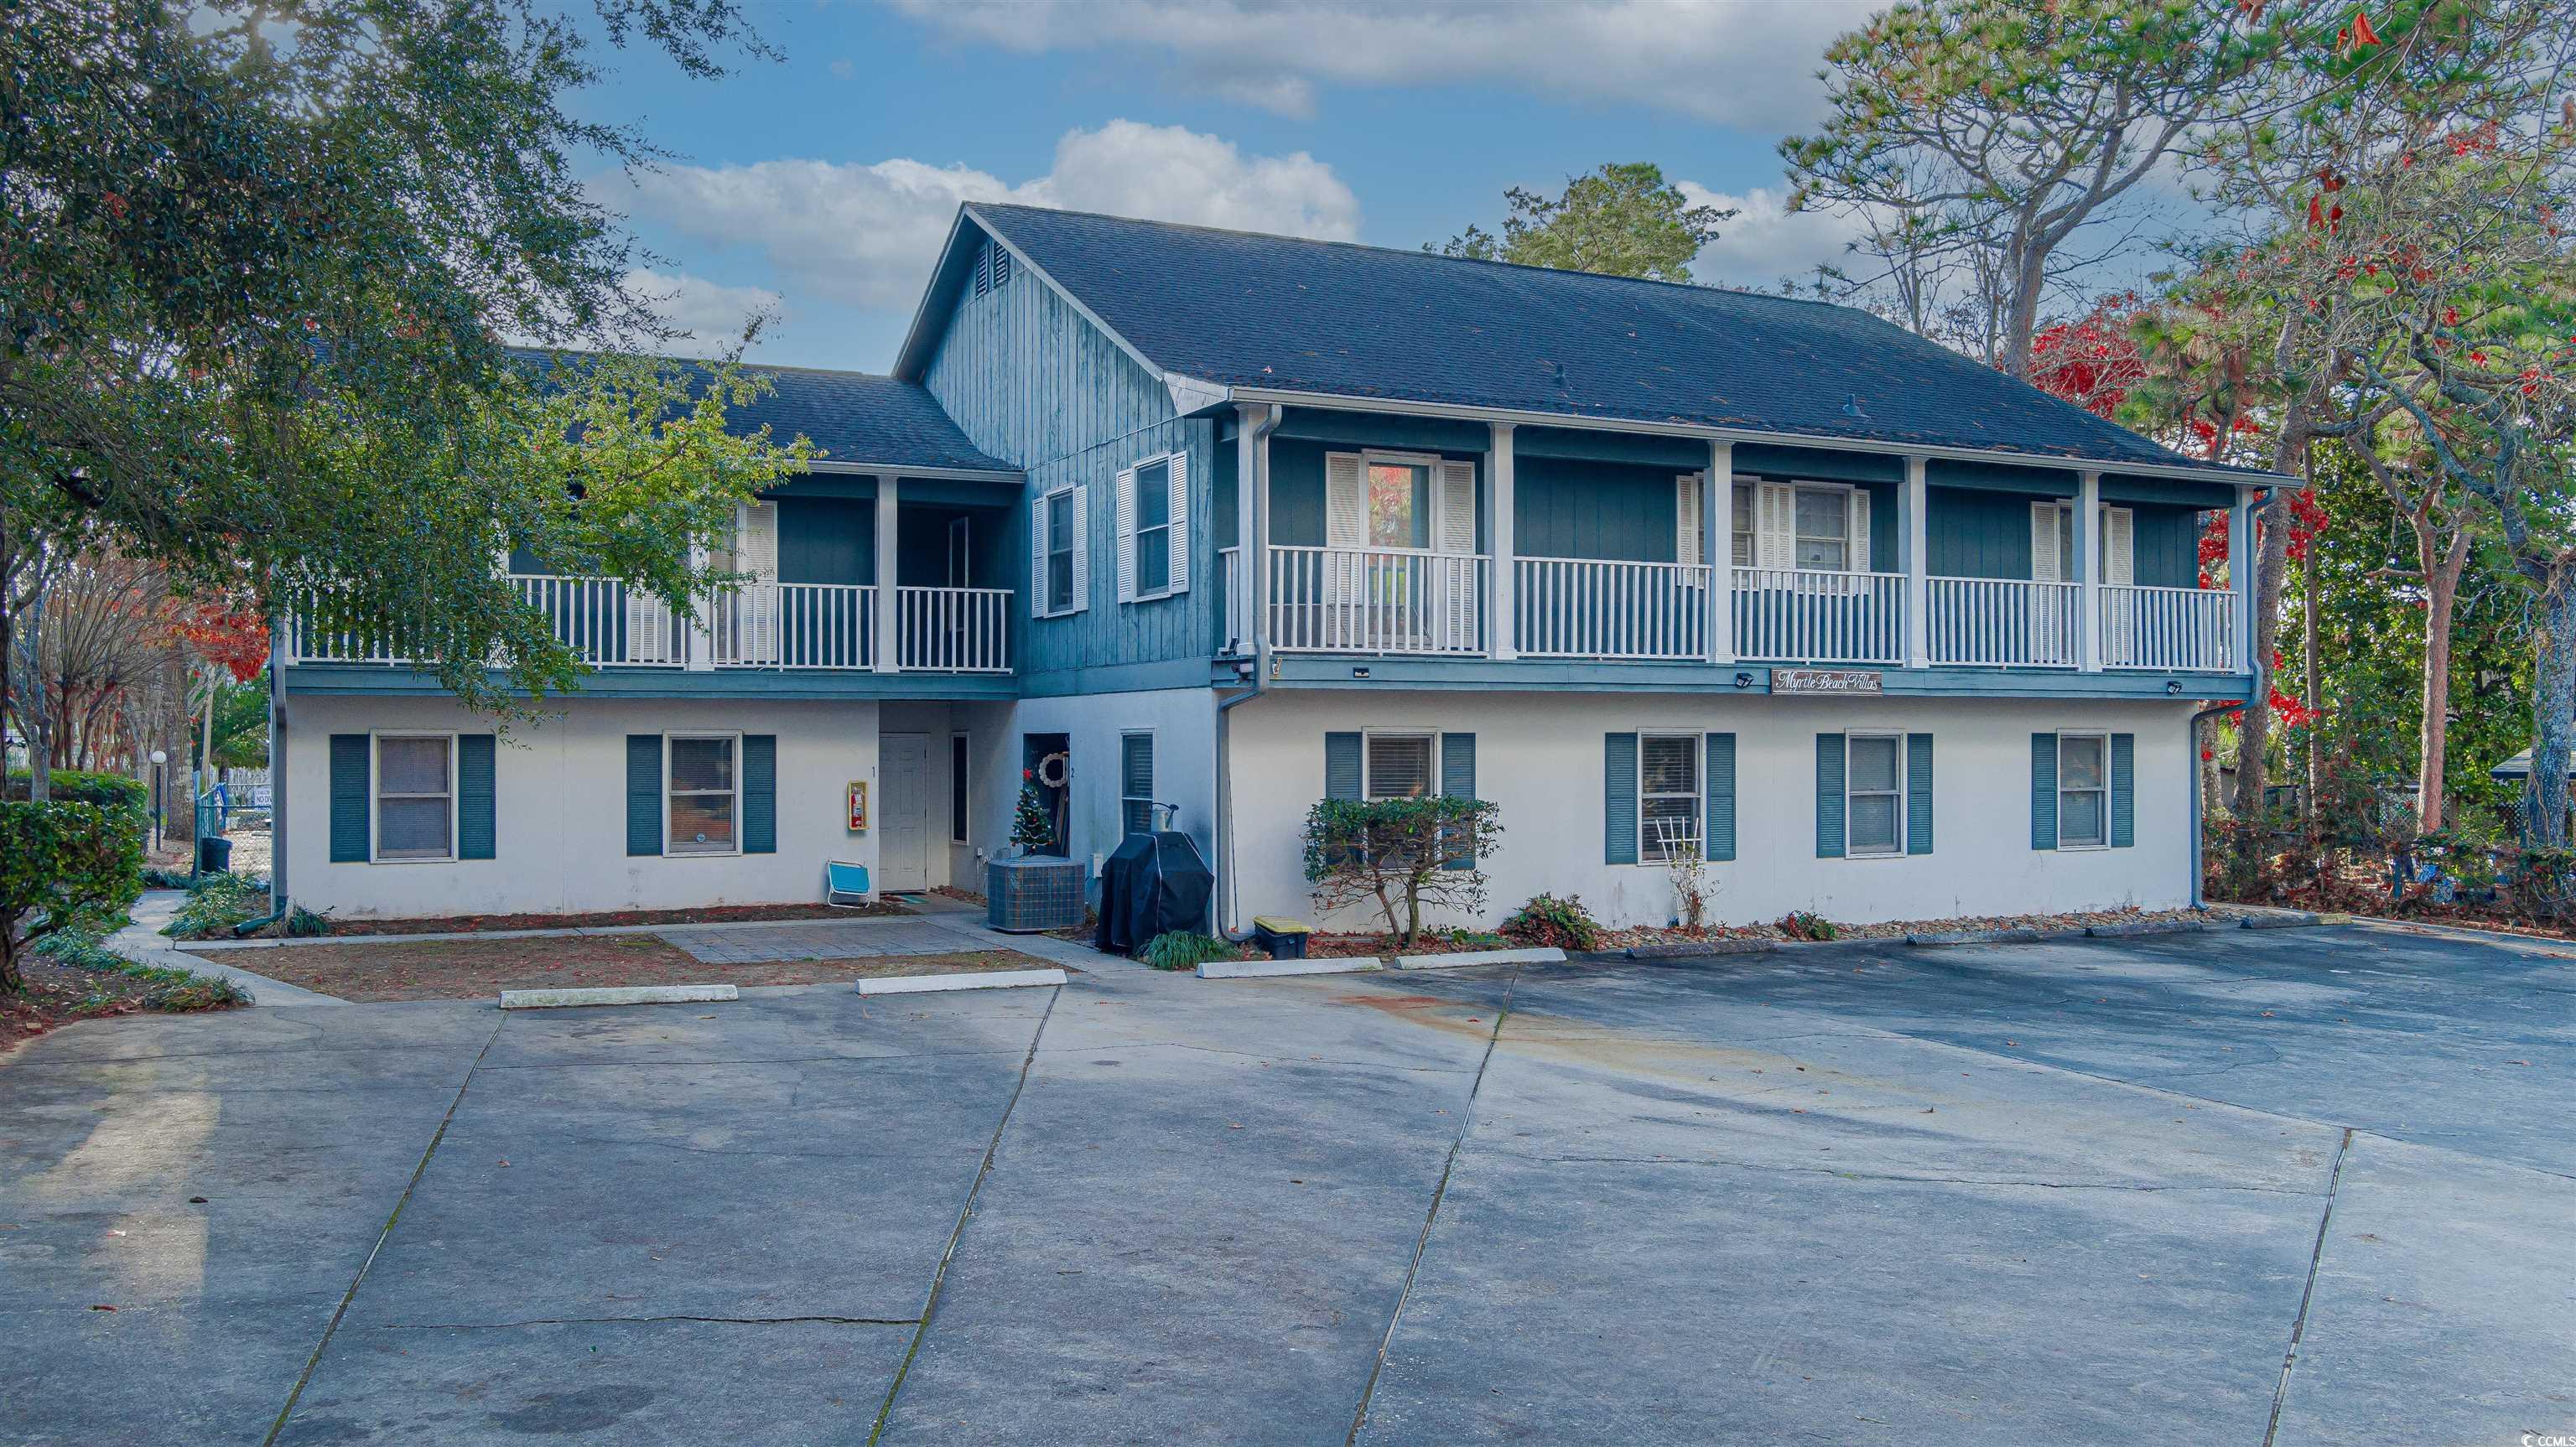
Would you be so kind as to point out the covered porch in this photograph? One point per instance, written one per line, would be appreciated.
(1428, 536)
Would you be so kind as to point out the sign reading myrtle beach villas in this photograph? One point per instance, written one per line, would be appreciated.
(1824, 680)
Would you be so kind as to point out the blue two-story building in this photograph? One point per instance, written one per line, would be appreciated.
(1160, 514)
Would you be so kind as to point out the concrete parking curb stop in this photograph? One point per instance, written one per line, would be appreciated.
(2281, 919)
(616, 995)
(2133, 928)
(964, 980)
(1278, 969)
(1458, 960)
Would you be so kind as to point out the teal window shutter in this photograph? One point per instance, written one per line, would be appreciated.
(1918, 793)
(1458, 780)
(2124, 781)
(2043, 791)
(1619, 799)
(643, 793)
(474, 818)
(1721, 799)
(1341, 766)
(1829, 796)
(760, 793)
(349, 784)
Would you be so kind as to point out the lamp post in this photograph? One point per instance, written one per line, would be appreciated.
(159, 757)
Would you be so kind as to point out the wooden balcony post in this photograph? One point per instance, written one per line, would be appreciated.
(2088, 572)
(1717, 549)
(1918, 566)
(886, 609)
(702, 628)
(1504, 613)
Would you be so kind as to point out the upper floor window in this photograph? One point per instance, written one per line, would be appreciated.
(1153, 528)
(1057, 546)
(1815, 527)
(1399, 502)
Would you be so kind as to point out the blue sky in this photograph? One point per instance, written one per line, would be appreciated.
(819, 185)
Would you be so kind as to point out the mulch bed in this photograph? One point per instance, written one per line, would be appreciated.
(1361, 946)
(59, 993)
(474, 969)
(712, 914)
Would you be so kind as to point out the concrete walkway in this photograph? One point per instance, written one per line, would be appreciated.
(143, 943)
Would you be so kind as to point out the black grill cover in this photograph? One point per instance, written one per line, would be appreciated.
(1154, 884)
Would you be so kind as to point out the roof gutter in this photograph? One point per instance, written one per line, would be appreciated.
(1526, 417)
(905, 469)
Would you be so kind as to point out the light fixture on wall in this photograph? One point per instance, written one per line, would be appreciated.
(1744, 680)
(1359, 673)
(2173, 688)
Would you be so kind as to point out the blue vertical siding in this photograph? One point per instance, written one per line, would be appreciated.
(1565, 509)
(2168, 545)
(1033, 382)
(1976, 534)
(827, 540)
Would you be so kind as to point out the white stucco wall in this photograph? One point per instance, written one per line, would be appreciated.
(560, 809)
(1540, 757)
(1182, 722)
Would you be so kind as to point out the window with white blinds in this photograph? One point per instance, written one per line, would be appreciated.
(1668, 794)
(1399, 766)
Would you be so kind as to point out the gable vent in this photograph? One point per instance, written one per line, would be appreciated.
(992, 268)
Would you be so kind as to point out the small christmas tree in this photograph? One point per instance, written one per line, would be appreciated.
(1031, 829)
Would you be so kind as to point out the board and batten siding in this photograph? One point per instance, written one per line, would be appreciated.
(1975, 533)
(1033, 382)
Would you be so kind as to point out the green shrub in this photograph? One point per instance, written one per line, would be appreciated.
(216, 903)
(156, 877)
(1548, 920)
(1801, 924)
(76, 786)
(1401, 854)
(1184, 950)
(302, 923)
(63, 865)
(175, 991)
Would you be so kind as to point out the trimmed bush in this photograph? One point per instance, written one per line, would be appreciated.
(1401, 854)
(1801, 924)
(64, 865)
(76, 786)
(215, 904)
(1548, 920)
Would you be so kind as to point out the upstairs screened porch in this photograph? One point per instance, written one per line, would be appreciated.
(814, 561)
(1431, 537)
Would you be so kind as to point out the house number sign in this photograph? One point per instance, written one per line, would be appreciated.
(1824, 680)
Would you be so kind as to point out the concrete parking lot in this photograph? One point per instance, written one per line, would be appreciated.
(2292, 1187)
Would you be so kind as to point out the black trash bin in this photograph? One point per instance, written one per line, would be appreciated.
(1154, 884)
(214, 855)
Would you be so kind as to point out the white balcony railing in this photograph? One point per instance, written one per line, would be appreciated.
(2003, 622)
(1584, 608)
(609, 624)
(2173, 629)
(1354, 600)
(1787, 615)
(1233, 607)
(953, 630)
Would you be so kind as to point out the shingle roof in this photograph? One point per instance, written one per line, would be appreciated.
(1363, 321)
(857, 417)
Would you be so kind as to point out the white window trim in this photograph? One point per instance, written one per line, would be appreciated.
(1153, 758)
(965, 786)
(1136, 534)
(1646, 857)
(1852, 540)
(376, 795)
(1902, 794)
(2082, 846)
(671, 850)
(1431, 771)
(1431, 463)
(1046, 596)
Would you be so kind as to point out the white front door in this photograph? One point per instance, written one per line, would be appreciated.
(903, 838)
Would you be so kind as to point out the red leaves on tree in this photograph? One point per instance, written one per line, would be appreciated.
(234, 640)
(2361, 32)
(2091, 361)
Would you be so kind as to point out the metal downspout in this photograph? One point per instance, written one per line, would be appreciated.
(1253, 440)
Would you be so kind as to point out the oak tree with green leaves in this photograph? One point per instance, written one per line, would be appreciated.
(1621, 220)
(257, 267)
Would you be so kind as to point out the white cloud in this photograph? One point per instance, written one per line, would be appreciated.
(710, 314)
(1737, 62)
(1766, 241)
(867, 234)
